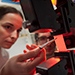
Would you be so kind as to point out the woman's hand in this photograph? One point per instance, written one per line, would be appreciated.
(19, 65)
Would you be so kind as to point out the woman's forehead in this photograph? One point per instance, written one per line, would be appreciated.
(12, 18)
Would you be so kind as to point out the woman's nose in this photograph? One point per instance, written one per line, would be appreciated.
(14, 34)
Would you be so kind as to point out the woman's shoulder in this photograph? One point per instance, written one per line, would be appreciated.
(5, 53)
(3, 57)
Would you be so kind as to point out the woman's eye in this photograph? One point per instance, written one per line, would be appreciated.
(19, 30)
(7, 27)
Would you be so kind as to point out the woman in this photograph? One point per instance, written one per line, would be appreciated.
(10, 25)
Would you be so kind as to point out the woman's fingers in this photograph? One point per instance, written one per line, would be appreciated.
(37, 60)
(31, 47)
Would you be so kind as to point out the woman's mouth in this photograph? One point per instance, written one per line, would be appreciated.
(9, 43)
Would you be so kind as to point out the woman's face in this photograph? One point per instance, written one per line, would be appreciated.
(10, 26)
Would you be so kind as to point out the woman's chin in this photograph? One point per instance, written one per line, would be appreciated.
(7, 47)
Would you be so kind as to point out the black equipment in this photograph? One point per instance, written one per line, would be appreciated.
(40, 14)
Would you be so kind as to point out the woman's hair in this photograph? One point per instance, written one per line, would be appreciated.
(8, 9)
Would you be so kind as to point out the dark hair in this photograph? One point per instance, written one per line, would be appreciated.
(8, 9)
